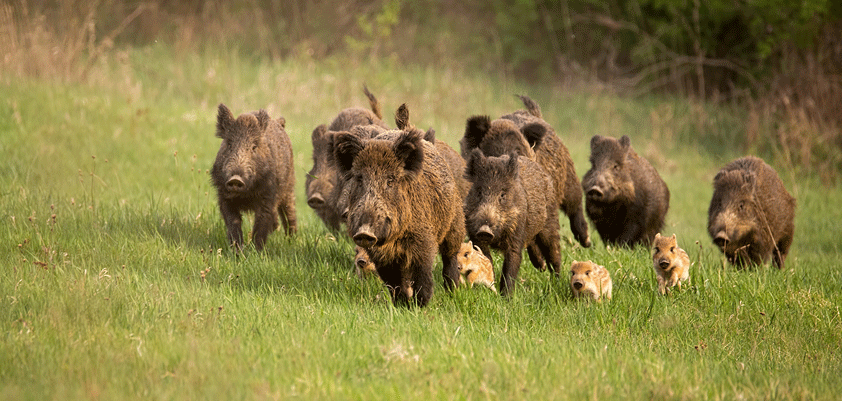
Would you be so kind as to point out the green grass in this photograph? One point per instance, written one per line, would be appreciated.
(129, 291)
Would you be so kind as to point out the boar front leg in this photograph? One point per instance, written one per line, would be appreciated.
(511, 267)
(265, 221)
(233, 225)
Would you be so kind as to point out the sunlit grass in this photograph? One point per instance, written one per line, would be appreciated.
(118, 283)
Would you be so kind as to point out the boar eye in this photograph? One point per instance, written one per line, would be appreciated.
(502, 196)
(390, 180)
(588, 273)
(616, 167)
(672, 249)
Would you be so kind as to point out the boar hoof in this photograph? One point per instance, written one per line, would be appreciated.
(235, 183)
(484, 234)
(316, 201)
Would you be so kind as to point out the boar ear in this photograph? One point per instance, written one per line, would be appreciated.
(318, 133)
(346, 148)
(595, 140)
(282, 121)
(625, 142)
(224, 121)
(512, 164)
(475, 130)
(430, 135)
(475, 163)
(262, 119)
(410, 150)
(402, 117)
(657, 236)
(534, 133)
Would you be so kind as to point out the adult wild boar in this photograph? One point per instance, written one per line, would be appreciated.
(751, 214)
(253, 172)
(526, 133)
(626, 199)
(511, 205)
(403, 206)
(322, 185)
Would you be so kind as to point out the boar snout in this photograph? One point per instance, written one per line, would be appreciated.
(361, 262)
(595, 193)
(235, 183)
(720, 239)
(484, 234)
(316, 200)
(664, 263)
(577, 285)
(365, 237)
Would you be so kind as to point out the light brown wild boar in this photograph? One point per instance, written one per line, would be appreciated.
(671, 263)
(475, 267)
(590, 280)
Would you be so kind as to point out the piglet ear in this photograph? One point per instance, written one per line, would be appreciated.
(224, 121)
(534, 133)
(409, 149)
(475, 130)
(402, 117)
(346, 148)
(476, 161)
(625, 142)
(657, 236)
(262, 119)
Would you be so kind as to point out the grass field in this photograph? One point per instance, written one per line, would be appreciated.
(118, 284)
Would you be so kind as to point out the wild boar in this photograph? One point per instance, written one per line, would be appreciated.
(511, 205)
(626, 199)
(751, 215)
(253, 171)
(402, 206)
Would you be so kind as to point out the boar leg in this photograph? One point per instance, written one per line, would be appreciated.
(535, 256)
(233, 225)
(265, 221)
(549, 245)
(449, 249)
(511, 267)
(579, 227)
(286, 210)
(422, 278)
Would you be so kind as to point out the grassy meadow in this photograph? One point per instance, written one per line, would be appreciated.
(117, 282)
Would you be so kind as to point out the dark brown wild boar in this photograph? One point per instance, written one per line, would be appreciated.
(751, 215)
(511, 205)
(403, 206)
(253, 172)
(322, 185)
(626, 199)
(526, 132)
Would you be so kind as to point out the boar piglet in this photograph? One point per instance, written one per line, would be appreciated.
(510, 206)
(253, 172)
(403, 206)
(751, 214)
(625, 197)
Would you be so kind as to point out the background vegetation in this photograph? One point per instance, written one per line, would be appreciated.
(117, 283)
